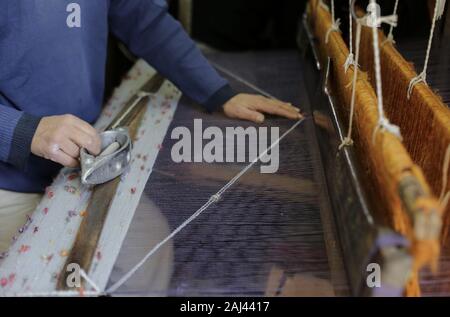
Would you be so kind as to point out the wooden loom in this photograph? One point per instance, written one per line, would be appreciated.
(424, 118)
(399, 192)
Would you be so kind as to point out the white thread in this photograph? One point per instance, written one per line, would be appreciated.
(332, 11)
(348, 141)
(383, 122)
(445, 197)
(213, 199)
(350, 60)
(323, 5)
(334, 25)
(390, 37)
(422, 77)
(333, 28)
(242, 80)
(90, 281)
(140, 95)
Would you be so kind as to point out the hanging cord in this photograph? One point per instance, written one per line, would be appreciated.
(334, 25)
(212, 200)
(445, 197)
(350, 58)
(375, 22)
(390, 37)
(422, 77)
(323, 5)
(348, 141)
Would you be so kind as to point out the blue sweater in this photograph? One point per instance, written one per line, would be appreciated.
(52, 62)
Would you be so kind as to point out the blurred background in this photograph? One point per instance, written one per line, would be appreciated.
(256, 25)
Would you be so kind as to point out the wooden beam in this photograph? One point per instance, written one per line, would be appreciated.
(88, 235)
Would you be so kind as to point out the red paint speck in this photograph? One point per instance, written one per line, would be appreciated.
(160, 147)
(72, 176)
(45, 210)
(50, 194)
(98, 255)
(11, 278)
(35, 229)
(70, 189)
(133, 190)
(24, 248)
(3, 282)
(81, 291)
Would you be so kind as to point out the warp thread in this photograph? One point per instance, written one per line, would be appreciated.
(212, 200)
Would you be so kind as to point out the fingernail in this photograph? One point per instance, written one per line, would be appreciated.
(260, 119)
(300, 116)
(297, 109)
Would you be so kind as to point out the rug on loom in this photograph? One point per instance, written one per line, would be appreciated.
(386, 162)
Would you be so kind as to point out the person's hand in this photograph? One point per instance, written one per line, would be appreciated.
(60, 138)
(253, 107)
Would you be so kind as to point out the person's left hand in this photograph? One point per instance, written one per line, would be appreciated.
(253, 107)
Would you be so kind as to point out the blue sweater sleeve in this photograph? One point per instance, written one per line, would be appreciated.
(17, 129)
(152, 33)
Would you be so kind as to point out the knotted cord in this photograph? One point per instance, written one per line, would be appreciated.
(383, 121)
(390, 37)
(373, 20)
(422, 77)
(348, 141)
(350, 58)
(334, 25)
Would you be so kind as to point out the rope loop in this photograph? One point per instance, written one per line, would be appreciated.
(385, 126)
(335, 27)
(349, 61)
(389, 39)
(324, 5)
(422, 77)
(347, 141)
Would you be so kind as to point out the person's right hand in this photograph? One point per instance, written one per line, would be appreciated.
(60, 138)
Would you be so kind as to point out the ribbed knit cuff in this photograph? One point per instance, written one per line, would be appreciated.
(21, 142)
(221, 97)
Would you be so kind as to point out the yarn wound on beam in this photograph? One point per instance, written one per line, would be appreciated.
(424, 119)
(386, 163)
